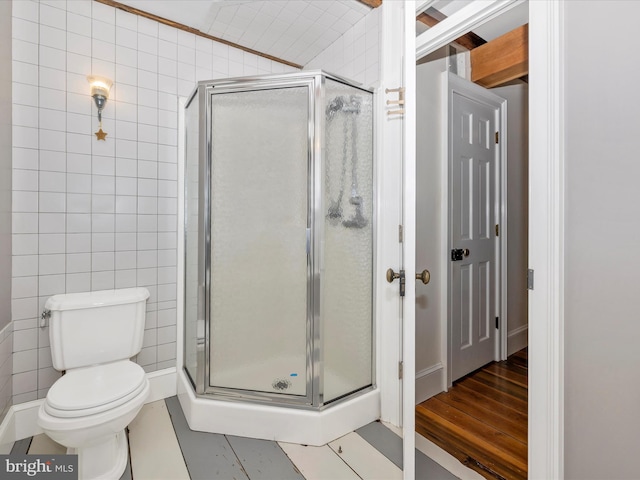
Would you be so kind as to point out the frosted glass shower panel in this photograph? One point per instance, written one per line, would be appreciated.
(347, 270)
(259, 219)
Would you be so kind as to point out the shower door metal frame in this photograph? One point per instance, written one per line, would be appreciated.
(250, 85)
(204, 92)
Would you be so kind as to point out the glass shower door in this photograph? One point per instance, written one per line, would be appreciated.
(259, 337)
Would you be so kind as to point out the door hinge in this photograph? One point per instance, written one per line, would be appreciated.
(400, 234)
(400, 369)
(530, 279)
(497, 322)
(497, 137)
(497, 230)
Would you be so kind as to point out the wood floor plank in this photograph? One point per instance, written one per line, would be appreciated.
(482, 420)
(384, 440)
(364, 459)
(502, 446)
(42, 445)
(447, 466)
(390, 445)
(155, 452)
(491, 392)
(501, 384)
(21, 447)
(495, 403)
(488, 411)
(520, 358)
(453, 438)
(263, 459)
(507, 373)
(318, 463)
(208, 456)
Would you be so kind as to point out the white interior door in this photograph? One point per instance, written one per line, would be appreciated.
(409, 238)
(396, 193)
(473, 163)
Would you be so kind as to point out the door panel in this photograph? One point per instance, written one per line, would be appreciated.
(466, 305)
(473, 282)
(259, 329)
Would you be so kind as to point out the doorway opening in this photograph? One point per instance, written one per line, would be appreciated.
(434, 372)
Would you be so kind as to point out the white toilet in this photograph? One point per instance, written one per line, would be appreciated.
(93, 336)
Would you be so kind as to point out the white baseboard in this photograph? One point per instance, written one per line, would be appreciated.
(517, 339)
(21, 420)
(429, 382)
(163, 384)
(7, 432)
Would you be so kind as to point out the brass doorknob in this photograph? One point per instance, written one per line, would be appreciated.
(424, 277)
(391, 275)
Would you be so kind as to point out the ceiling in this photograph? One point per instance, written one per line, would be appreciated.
(295, 31)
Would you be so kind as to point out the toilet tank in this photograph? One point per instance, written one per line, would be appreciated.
(96, 327)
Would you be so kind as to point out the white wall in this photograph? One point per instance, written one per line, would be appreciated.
(602, 234)
(87, 214)
(517, 212)
(429, 198)
(6, 338)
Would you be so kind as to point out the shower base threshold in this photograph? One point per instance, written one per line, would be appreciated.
(281, 424)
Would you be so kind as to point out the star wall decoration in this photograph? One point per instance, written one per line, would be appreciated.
(101, 135)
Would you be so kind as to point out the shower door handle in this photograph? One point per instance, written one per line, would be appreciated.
(391, 276)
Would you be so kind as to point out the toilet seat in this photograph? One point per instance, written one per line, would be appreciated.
(91, 390)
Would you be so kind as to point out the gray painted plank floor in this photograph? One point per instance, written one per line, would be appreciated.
(211, 456)
(208, 456)
(390, 445)
(21, 447)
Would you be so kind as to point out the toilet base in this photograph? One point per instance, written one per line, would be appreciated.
(104, 460)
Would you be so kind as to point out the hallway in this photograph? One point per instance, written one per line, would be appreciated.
(482, 419)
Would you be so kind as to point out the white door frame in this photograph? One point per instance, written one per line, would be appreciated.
(454, 83)
(546, 216)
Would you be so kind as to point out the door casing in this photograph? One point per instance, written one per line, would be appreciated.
(546, 216)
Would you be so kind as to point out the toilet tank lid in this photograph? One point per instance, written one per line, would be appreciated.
(101, 298)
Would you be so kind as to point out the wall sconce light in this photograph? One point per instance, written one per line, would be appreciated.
(100, 88)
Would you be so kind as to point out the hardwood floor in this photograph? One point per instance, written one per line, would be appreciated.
(482, 419)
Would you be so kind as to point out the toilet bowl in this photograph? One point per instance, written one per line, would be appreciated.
(92, 338)
(89, 425)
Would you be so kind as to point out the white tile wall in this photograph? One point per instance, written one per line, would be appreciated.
(92, 215)
(26, 203)
(356, 54)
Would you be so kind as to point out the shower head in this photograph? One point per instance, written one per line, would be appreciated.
(335, 106)
(343, 104)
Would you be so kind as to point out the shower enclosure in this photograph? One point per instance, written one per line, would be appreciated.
(279, 235)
